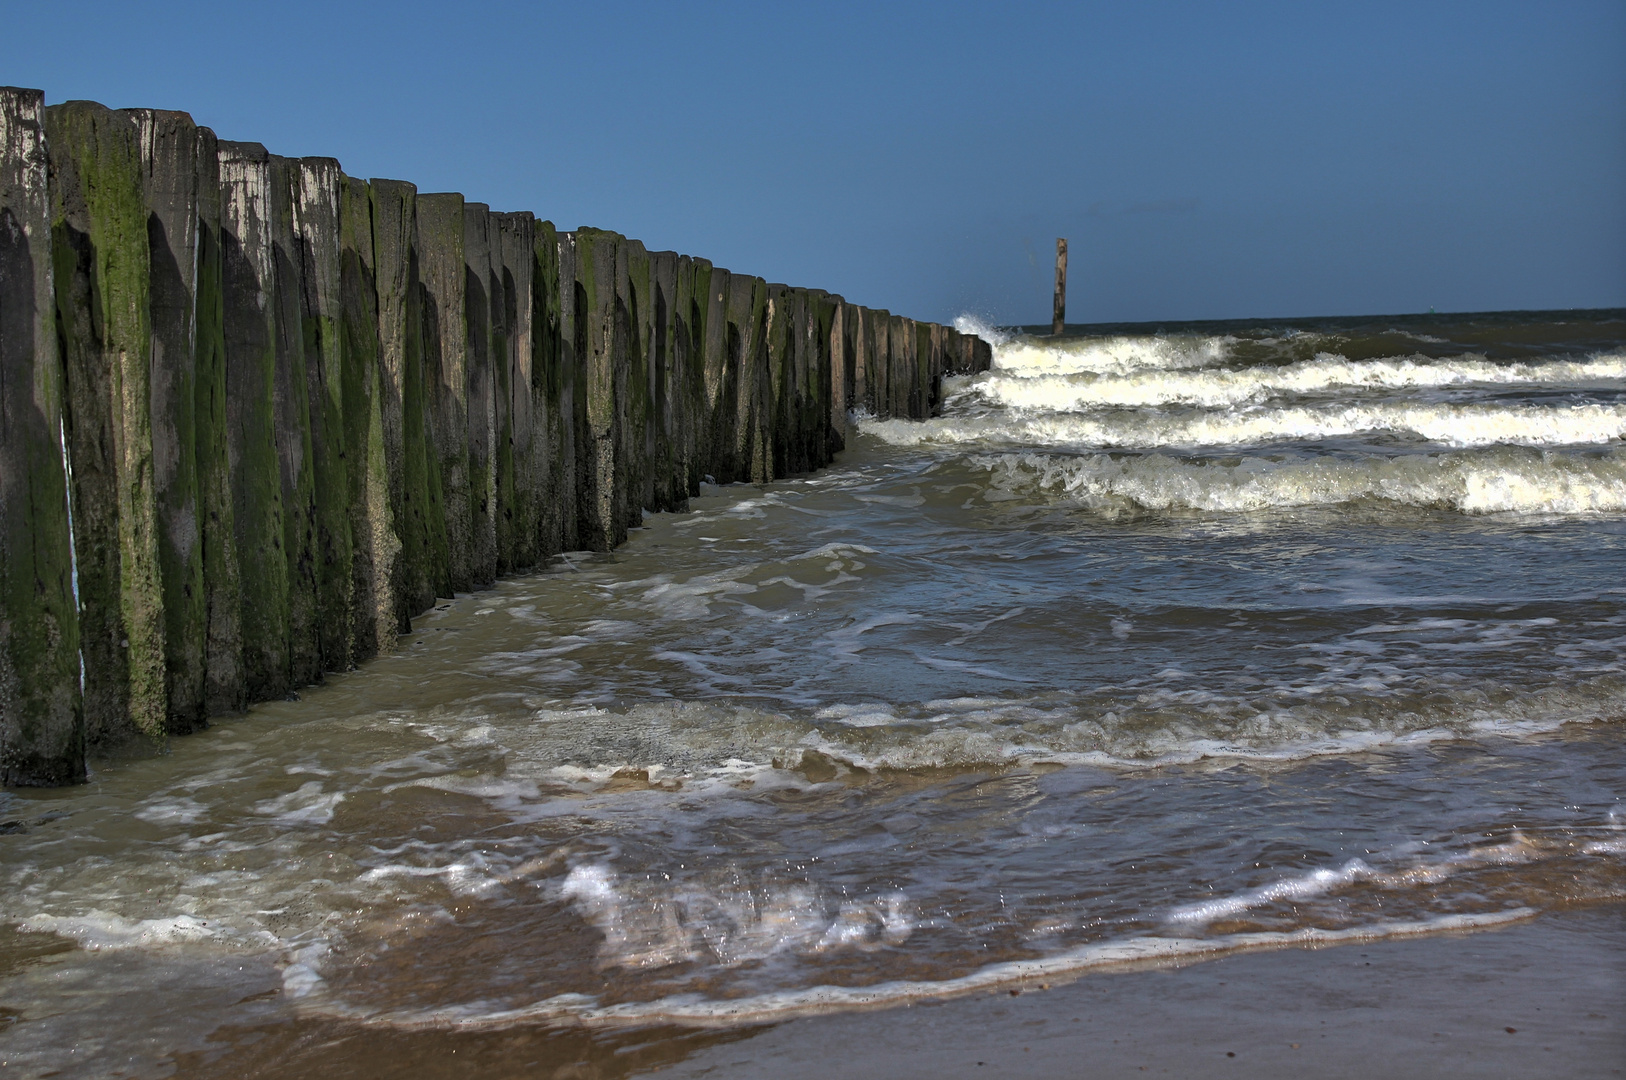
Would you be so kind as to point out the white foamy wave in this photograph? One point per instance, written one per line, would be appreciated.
(1226, 387)
(1156, 728)
(97, 930)
(1475, 482)
(698, 1011)
(104, 930)
(310, 805)
(1448, 425)
(974, 745)
(1107, 356)
(648, 924)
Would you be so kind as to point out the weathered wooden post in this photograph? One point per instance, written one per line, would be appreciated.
(377, 545)
(420, 527)
(553, 438)
(482, 396)
(666, 437)
(518, 467)
(316, 186)
(169, 143)
(42, 728)
(249, 297)
(603, 382)
(1059, 319)
(635, 327)
(446, 335)
(101, 267)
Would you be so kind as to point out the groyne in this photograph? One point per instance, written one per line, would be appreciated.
(256, 414)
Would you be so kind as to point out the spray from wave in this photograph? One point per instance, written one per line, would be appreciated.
(978, 326)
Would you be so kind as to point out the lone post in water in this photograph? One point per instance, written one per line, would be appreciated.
(1059, 321)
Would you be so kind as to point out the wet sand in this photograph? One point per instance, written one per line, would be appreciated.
(1429, 1007)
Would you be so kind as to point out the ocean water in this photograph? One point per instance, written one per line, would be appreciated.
(1160, 644)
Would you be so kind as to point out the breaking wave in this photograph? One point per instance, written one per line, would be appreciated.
(1499, 480)
(1017, 386)
(1446, 424)
(1108, 355)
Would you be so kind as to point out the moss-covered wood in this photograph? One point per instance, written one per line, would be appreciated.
(316, 197)
(779, 343)
(405, 426)
(602, 502)
(42, 732)
(169, 146)
(292, 406)
(634, 334)
(224, 687)
(518, 469)
(552, 390)
(101, 267)
(689, 312)
(735, 411)
(841, 367)
(573, 440)
(249, 301)
(502, 403)
(445, 344)
(667, 491)
(714, 441)
(375, 618)
(482, 395)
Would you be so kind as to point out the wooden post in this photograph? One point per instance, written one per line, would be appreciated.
(1058, 323)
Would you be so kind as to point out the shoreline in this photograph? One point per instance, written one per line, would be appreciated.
(1421, 1006)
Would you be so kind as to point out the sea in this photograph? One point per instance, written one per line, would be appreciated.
(1162, 643)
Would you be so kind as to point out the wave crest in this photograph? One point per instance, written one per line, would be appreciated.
(1214, 388)
(1473, 482)
(1117, 355)
(1457, 425)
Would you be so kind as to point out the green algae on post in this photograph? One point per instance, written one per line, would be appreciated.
(42, 730)
(169, 146)
(249, 301)
(316, 229)
(602, 497)
(519, 468)
(101, 268)
(224, 688)
(404, 420)
(374, 618)
(445, 348)
(553, 388)
(482, 391)
(293, 432)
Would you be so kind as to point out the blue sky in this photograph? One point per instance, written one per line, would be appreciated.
(1219, 160)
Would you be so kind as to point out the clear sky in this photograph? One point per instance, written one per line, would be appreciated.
(1205, 160)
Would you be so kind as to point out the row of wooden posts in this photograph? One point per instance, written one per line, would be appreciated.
(256, 414)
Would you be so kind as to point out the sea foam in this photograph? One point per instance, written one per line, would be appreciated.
(1458, 425)
(1476, 482)
(1022, 388)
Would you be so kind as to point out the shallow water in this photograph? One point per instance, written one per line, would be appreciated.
(1155, 646)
